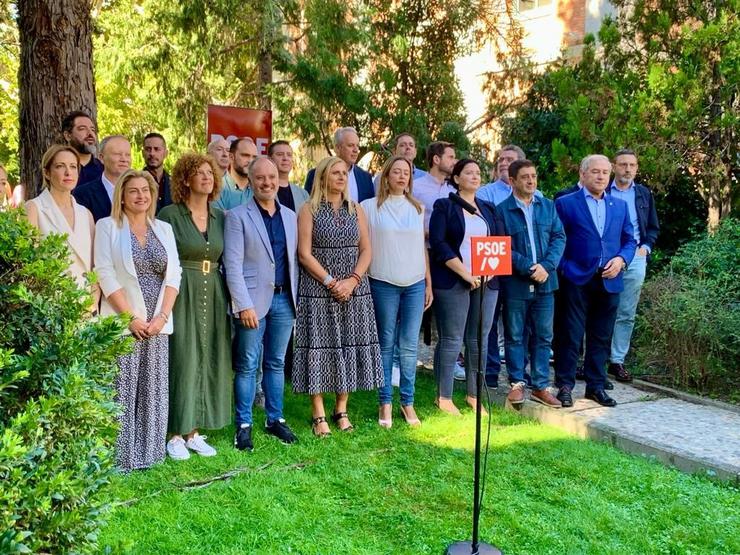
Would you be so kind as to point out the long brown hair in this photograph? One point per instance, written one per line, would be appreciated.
(384, 188)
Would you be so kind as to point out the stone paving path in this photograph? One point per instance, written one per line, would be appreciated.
(690, 436)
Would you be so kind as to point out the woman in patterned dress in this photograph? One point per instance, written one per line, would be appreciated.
(201, 377)
(336, 341)
(139, 272)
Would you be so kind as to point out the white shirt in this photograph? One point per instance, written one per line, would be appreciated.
(109, 186)
(354, 194)
(427, 190)
(397, 241)
(475, 226)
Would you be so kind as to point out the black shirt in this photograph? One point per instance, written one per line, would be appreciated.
(285, 197)
(276, 232)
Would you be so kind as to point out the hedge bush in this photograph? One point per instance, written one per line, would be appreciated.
(688, 327)
(57, 413)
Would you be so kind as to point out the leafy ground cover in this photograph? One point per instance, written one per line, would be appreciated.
(408, 490)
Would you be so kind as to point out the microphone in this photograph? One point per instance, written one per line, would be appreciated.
(464, 203)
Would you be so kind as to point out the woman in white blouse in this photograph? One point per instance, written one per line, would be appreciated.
(139, 269)
(56, 211)
(399, 280)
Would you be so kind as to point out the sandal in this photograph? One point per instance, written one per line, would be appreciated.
(314, 426)
(385, 422)
(337, 416)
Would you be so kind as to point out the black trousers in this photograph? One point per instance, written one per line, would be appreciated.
(588, 308)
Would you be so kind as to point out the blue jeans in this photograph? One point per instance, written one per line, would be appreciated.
(634, 276)
(537, 315)
(398, 313)
(270, 339)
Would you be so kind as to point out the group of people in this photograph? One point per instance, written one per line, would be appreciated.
(225, 268)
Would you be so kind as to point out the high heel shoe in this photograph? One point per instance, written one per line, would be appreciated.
(471, 401)
(410, 420)
(446, 405)
(385, 422)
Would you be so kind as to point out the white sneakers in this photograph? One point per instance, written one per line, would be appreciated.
(459, 372)
(177, 448)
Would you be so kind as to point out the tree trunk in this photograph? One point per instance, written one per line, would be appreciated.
(265, 78)
(55, 76)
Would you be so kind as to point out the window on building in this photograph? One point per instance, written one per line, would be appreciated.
(525, 5)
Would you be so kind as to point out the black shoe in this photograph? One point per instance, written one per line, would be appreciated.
(608, 385)
(280, 430)
(601, 397)
(619, 372)
(243, 439)
(580, 373)
(565, 396)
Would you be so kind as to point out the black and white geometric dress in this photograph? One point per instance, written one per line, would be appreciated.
(142, 384)
(336, 343)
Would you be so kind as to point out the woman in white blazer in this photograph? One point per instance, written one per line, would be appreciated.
(56, 211)
(139, 272)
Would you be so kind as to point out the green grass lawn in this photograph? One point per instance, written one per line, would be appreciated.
(408, 490)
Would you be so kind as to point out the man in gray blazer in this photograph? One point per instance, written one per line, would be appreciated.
(262, 275)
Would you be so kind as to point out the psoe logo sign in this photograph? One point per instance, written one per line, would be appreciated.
(491, 256)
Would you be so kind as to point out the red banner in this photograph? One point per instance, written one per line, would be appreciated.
(491, 256)
(230, 122)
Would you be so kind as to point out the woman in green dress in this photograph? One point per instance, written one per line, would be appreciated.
(200, 346)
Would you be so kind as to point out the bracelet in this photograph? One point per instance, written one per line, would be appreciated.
(164, 317)
(356, 277)
(328, 279)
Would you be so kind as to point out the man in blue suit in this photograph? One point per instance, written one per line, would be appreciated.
(599, 244)
(261, 243)
(97, 195)
(347, 147)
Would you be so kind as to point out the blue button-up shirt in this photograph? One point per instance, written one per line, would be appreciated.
(528, 211)
(276, 232)
(497, 192)
(597, 209)
(231, 196)
(628, 196)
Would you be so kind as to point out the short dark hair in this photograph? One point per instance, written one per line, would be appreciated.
(458, 169)
(155, 136)
(624, 152)
(235, 143)
(271, 148)
(517, 165)
(436, 148)
(402, 134)
(68, 122)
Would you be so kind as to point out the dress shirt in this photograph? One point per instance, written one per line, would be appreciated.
(231, 196)
(475, 226)
(628, 196)
(497, 192)
(109, 186)
(354, 193)
(276, 232)
(597, 209)
(427, 190)
(528, 211)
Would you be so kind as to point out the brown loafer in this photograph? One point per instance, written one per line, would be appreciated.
(621, 374)
(546, 398)
(516, 395)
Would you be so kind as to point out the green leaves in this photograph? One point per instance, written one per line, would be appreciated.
(57, 411)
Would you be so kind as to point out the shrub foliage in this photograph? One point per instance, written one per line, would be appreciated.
(57, 412)
(688, 328)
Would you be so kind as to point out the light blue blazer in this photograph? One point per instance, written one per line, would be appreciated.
(249, 261)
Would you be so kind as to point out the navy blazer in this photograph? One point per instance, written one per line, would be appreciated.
(567, 191)
(549, 242)
(93, 196)
(584, 245)
(365, 188)
(446, 234)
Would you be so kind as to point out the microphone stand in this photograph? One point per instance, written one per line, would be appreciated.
(475, 547)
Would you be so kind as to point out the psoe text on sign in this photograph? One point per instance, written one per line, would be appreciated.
(491, 256)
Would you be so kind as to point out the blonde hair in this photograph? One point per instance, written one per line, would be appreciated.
(117, 210)
(48, 159)
(185, 168)
(321, 184)
(384, 187)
